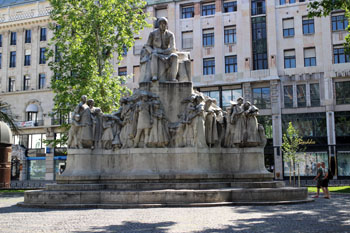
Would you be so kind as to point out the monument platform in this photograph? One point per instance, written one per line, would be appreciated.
(158, 177)
(143, 195)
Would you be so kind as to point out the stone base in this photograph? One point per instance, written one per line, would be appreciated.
(141, 195)
(164, 165)
(155, 177)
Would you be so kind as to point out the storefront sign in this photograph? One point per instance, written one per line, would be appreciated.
(308, 142)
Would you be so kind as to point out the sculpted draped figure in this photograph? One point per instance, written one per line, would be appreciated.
(159, 58)
(141, 122)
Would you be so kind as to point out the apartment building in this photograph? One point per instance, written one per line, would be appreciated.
(291, 67)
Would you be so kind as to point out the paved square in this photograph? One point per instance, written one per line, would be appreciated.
(320, 216)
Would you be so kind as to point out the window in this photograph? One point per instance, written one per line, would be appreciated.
(13, 59)
(309, 57)
(32, 116)
(28, 36)
(208, 9)
(288, 27)
(339, 22)
(260, 61)
(26, 60)
(42, 34)
(340, 56)
(291, 1)
(258, 7)
(259, 43)
(13, 38)
(230, 64)
(26, 80)
(42, 81)
(208, 66)
(230, 6)
(11, 84)
(125, 50)
(288, 96)
(208, 37)
(27, 57)
(301, 95)
(187, 40)
(308, 124)
(230, 95)
(315, 94)
(122, 71)
(42, 59)
(282, 2)
(0, 60)
(261, 97)
(187, 12)
(0, 40)
(162, 12)
(342, 92)
(308, 26)
(230, 35)
(289, 59)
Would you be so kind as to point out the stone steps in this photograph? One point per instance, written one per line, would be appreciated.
(158, 186)
(165, 197)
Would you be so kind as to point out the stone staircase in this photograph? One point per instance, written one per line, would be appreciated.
(160, 194)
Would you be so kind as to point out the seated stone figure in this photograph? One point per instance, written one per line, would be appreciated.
(160, 60)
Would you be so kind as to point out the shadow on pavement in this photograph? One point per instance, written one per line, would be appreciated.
(325, 216)
(128, 227)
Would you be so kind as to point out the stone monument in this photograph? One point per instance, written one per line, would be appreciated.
(167, 145)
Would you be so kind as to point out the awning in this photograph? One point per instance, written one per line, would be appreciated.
(32, 108)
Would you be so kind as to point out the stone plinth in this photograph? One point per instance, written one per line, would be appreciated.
(164, 164)
(171, 95)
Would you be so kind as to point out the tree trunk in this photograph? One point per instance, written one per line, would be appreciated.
(294, 173)
(290, 173)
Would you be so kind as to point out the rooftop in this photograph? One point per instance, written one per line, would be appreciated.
(6, 3)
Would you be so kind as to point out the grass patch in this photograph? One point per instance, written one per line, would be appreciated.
(336, 189)
(12, 190)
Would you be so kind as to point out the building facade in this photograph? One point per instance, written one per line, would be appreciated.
(293, 68)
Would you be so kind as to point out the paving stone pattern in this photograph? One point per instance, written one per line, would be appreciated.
(320, 216)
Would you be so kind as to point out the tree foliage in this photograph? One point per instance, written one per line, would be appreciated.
(325, 7)
(87, 34)
(291, 146)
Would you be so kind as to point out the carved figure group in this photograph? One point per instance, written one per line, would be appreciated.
(141, 121)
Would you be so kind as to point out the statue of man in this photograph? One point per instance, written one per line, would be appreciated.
(161, 46)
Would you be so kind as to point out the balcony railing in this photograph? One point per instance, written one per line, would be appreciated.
(25, 124)
(60, 121)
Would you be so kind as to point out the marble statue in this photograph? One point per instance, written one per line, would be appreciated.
(144, 120)
(107, 136)
(238, 120)
(73, 133)
(252, 137)
(159, 134)
(159, 58)
(211, 129)
(127, 132)
(117, 143)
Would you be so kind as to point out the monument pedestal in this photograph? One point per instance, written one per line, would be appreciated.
(156, 177)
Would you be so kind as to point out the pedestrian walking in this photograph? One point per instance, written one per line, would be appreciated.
(319, 179)
(325, 181)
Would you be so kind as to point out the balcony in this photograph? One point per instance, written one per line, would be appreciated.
(27, 124)
(60, 121)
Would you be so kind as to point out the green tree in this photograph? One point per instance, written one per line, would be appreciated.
(291, 146)
(87, 33)
(325, 8)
